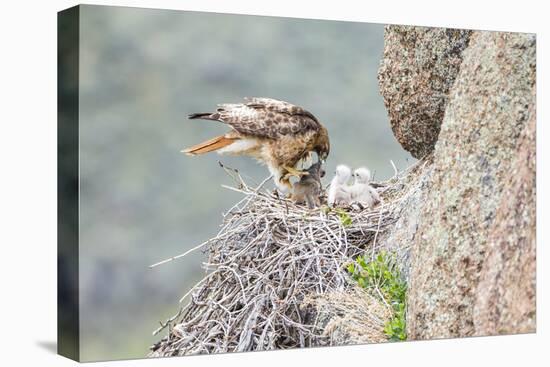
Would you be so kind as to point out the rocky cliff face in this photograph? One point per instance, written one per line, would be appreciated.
(417, 71)
(472, 222)
(505, 295)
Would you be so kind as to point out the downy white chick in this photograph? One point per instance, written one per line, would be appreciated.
(361, 191)
(339, 191)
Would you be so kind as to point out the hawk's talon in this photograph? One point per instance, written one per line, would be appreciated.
(294, 172)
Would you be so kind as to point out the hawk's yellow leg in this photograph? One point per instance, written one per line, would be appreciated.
(294, 172)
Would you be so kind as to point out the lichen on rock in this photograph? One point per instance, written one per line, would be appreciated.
(416, 73)
(488, 108)
(505, 299)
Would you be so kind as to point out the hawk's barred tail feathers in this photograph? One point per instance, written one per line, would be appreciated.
(208, 146)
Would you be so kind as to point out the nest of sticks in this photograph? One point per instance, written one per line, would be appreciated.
(269, 268)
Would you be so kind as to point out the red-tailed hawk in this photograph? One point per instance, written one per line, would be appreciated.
(276, 133)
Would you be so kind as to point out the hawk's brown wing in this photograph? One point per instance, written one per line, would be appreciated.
(278, 106)
(265, 118)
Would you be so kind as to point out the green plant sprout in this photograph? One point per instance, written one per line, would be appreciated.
(345, 219)
(383, 274)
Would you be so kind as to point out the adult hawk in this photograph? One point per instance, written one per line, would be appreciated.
(276, 133)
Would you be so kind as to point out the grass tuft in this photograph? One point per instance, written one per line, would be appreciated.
(382, 277)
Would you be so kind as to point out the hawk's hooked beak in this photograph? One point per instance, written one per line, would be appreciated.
(321, 158)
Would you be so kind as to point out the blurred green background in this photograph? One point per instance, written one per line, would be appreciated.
(141, 72)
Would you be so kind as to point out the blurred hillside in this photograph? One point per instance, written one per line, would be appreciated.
(142, 71)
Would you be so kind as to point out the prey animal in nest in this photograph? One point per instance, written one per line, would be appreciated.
(309, 189)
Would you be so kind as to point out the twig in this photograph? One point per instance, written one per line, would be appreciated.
(395, 171)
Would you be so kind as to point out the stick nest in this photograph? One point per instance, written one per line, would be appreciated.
(276, 277)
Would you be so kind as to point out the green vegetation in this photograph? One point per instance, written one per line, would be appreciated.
(345, 219)
(383, 275)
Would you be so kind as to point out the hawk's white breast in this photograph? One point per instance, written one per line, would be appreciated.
(240, 146)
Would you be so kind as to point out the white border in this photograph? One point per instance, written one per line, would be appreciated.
(28, 181)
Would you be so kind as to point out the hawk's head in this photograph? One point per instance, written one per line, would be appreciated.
(322, 144)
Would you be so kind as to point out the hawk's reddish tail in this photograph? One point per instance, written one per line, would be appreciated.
(208, 146)
(204, 116)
